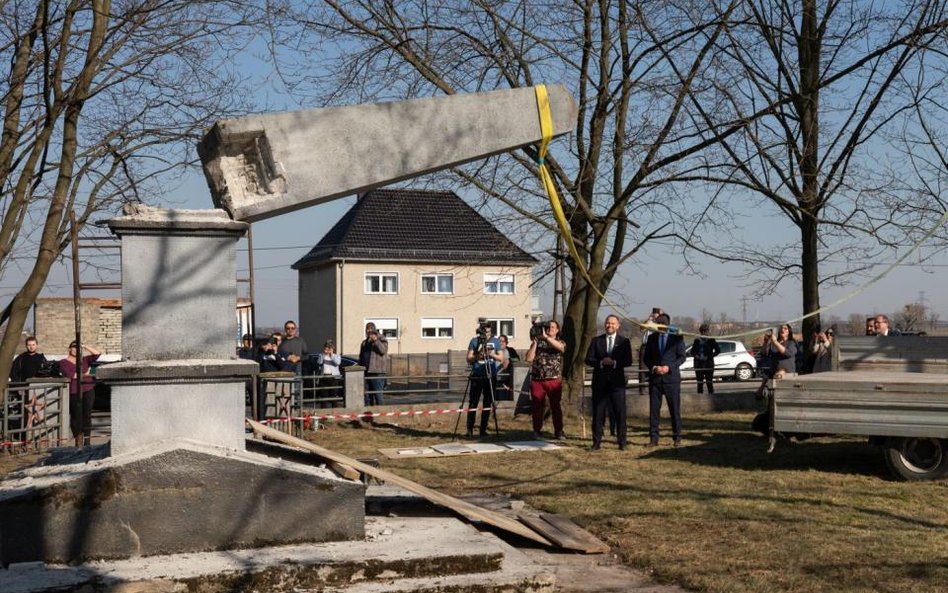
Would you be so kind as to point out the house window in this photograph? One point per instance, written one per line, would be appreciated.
(381, 282)
(498, 284)
(387, 325)
(437, 283)
(437, 327)
(502, 327)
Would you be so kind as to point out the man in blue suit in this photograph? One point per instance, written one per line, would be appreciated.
(664, 354)
(608, 355)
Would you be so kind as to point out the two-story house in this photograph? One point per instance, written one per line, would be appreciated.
(422, 265)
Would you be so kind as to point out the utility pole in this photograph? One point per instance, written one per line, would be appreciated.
(558, 278)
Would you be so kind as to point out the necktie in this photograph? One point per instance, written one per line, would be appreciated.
(661, 343)
(609, 345)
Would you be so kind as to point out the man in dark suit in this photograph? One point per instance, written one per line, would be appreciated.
(608, 355)
(663, 356)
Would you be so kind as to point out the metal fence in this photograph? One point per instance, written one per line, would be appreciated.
(34, 415)
(283, 395)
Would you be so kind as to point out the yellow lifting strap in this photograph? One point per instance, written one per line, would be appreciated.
(546, 129)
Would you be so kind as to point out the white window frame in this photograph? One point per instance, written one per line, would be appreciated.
(437, 324)
(497, 281)
(437, 277)
(381, 276)
(387, 325)
(495, 325)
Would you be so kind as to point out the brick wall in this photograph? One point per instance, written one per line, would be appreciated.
(54, 321)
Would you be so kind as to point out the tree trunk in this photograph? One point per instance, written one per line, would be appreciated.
(808, 107)
(811, 280)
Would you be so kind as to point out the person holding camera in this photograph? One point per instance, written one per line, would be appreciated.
(546, 358)
(780, 355)
(484, 354)
(823, 351)
(269, 355)
(372, 353)
(608, 355)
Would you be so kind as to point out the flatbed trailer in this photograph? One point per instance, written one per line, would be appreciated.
(904, 412)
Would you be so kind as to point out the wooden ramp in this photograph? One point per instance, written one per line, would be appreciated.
(549, 530)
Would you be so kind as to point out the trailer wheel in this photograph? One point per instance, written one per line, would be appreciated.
(917, 459)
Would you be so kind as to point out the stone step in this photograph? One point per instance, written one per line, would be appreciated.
(510, 579)
(398, 554)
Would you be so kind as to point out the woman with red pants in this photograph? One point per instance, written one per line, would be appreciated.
(546, 355)
(81, 390)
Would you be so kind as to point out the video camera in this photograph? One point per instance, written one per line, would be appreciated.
(482, 327)
(537, 329)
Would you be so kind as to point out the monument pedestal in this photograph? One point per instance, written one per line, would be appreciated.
(178, 479)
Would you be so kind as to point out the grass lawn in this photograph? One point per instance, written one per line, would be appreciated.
(719, 514)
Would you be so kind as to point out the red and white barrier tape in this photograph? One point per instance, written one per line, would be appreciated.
(309, 418)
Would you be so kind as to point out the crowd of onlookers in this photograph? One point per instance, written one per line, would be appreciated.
(287, 351)
(32, 364)
(661, 354)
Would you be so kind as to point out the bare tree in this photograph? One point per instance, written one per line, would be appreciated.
(846, 78)
(100, 102)
(856, 324)
(933, 319)
(911, 318)
(636, 132)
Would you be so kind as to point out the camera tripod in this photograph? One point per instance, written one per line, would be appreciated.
(487, 386)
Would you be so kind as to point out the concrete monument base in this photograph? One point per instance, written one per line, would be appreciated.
(154, 400)
(180, 496)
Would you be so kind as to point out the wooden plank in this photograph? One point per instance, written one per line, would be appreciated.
(564, 533)
(594, 545)
(343, 470)
(465, 509)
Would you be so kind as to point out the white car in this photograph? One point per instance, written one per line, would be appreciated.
(734, 362)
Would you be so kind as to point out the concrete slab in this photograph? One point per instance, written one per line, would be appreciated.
(397, 554)
(263, 165)
(179, 496)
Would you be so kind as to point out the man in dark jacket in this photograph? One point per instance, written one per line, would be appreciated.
(609, 354)
(664, 355)
(703, 350)
(27, 364)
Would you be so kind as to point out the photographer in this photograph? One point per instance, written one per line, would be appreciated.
(269, 355)
(780, 354)
(823, 351)
(372, 353)
(485, 355)
(546, 355)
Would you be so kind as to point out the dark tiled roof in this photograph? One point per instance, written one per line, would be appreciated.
(414, 226)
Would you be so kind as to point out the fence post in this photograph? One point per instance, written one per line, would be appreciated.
(353, 378)
(63, 433)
